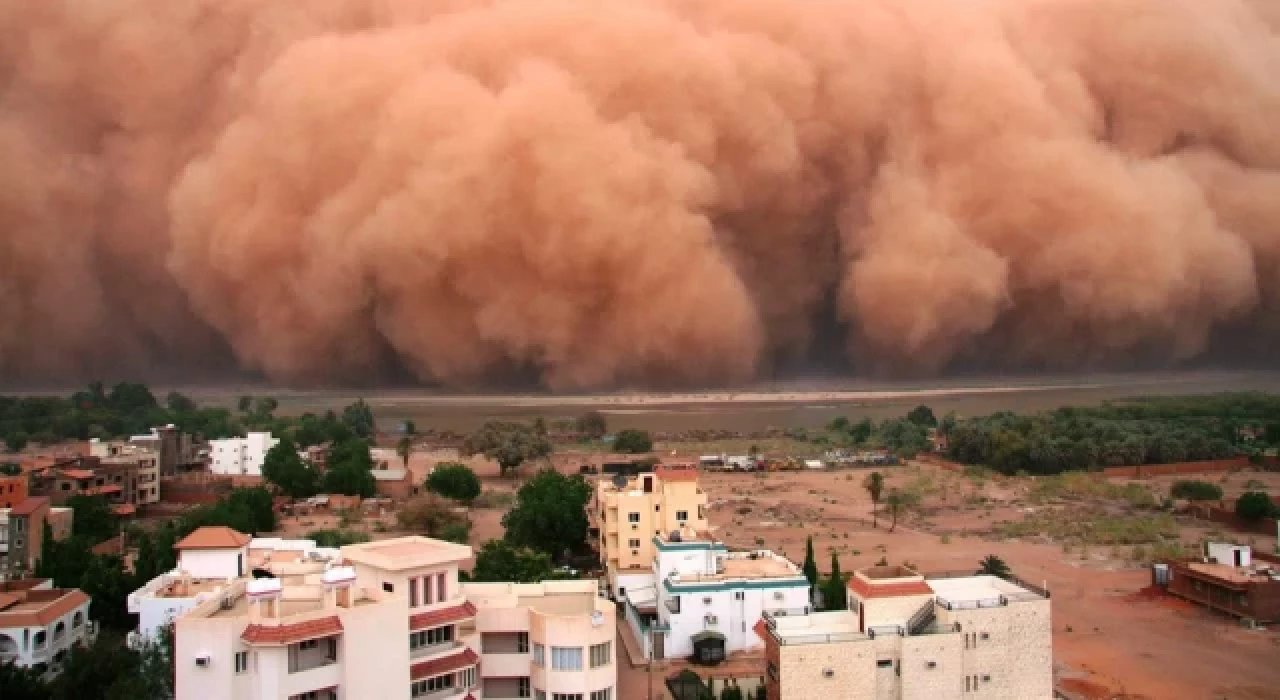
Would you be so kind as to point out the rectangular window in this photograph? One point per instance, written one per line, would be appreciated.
(431, 685)
(539, 655)
(413, 592)
(566, 696)
(388, 588)
(441, 594)
(309, 644)
(633, 517)
(540, 695)
(522, 687)
(884, 663)
(634, 544)
(682, 515)
(601, 654)
(331, 652)
(467, 677)
(242, 661)
(566, 659)
(606, 694)
(739, 595)
(522, 642)
(427, 599)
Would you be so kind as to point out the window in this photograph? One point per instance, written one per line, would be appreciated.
(309, 644)
(413, 592)
(522, 642)
(426, 591)
(601, 654)
(440, 592)
(426, 638)
(606, 694)
(467, 677)
(539, 655)
(431, 685)
(633, 517)
(682, 515)
(701, 514)
(566, 659)
(66, 486)
(656, 509)
(566, 696)
(242, 661)
(540, 695)
(634, 544)
(739, 595)
(884, 663)
(388, 588)
(522, 687)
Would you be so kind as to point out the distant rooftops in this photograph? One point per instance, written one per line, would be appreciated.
(216, 537)
(27, 603)
(406, 553)
(29, 506)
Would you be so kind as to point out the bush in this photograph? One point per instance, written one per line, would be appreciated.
(455, 481)
(1192, 490)
(633, 442)
(432, 515)
(1254, 505)
(336, 538)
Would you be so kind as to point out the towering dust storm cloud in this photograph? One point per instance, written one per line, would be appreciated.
(632, 191)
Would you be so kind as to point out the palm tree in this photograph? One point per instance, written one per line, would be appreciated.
(874, 484)
(403, 448)
(994, 566)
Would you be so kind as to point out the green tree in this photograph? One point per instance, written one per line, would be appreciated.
(874, 484)
(1192, 490)
(834, 594)
(898, 503)
(106, 582)
(923, 416)
(109, 670)
(410, 428)
(91, 517)
(283, 467)
(592, 424)
(993, 565)
(350, 469)
(810, 563)
(404, 448)
(1254, 505)
(731, 692)
(244, 404)
(454, 480)
(21, 683)
(903, 435)
(499, 560)
(178, 403)
(336, 538)
(359, 418)
(632, 442)
(16, 440)
(508, 444)
(549, 514)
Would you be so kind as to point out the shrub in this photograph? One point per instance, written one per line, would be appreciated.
(455, 481)
(633, 441)
(432, 515)
(1192, 490)
(336, 538)
(1253, 505)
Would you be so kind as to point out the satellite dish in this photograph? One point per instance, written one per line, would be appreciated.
(619, 480)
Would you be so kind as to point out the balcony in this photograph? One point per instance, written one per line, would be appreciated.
(311, 654)
(428, 650)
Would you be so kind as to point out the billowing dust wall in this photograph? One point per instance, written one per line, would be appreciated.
(632, 191)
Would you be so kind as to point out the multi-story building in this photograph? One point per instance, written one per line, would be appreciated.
(39, 623)
(390, 620)
(240, 456)
(13, 489)
(116, 479)
(175, 450)
(905, 636)
(32, 515)
(706, 600)
(145, 460)
(626, 514)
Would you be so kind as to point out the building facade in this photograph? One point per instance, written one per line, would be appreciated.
(240, 456)
(1228, 579)
(389, 619)
(113, 456)
(627, 513)
(905, 636)
(13, 489)
(39, 623)
(32, 517)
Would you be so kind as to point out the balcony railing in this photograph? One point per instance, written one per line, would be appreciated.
(433, 649)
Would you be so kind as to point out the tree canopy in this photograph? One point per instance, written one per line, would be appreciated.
(632, 442)
(499, 560)
(923, 417)
(435, 517)
(508, 444)
(349, 469)
(834, 593)
(592, 424)
(1254, 505)
(1193, 490)
(283, 467)
(810, 563)
(359, 418)
(549, 514)
(993, 565)
(455, 481)
(92, 517)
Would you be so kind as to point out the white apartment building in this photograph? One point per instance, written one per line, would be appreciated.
(707, 600)
(240, 456)
(912, 638)
(389, 620)
(39, 623)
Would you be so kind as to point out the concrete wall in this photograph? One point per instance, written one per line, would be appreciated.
(240, 456)
(1017, 654)
(736, 611)
(215, 563)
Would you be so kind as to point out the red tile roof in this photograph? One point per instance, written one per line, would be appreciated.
(444, 616)
(761, 630)
(77, 473)
(445, 664)
(292, 633)
(888, 590)
(29, 506)
(100, 490)
(213, 537)
(124, 509)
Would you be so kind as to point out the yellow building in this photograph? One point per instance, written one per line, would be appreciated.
(629, 512)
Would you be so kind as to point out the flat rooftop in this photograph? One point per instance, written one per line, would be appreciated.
(405, 553)
(740, 566)
(1228, 573)
(547, 598)
(972, 589)
(815, 628)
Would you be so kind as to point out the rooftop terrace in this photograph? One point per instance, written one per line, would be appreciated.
(406, 553)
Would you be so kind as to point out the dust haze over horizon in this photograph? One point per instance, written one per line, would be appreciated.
(583, 195)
